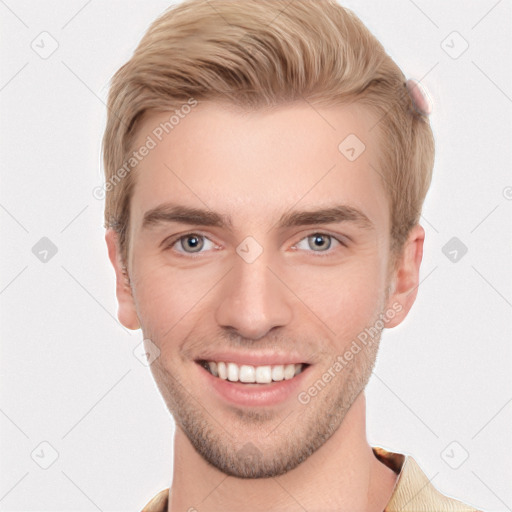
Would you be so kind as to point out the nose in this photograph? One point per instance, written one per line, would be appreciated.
(253, 300)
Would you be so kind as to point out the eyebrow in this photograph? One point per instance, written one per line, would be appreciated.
(170, 212)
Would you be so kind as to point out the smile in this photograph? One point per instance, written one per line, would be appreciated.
(261, 374)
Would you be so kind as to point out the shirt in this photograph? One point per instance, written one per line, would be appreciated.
(413, 491)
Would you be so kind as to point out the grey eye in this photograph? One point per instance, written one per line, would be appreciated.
(192, 243)
(319, 242)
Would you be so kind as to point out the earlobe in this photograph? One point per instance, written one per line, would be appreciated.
(126, 313)
(406, 277)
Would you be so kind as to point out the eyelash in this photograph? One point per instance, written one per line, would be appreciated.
(319, 254)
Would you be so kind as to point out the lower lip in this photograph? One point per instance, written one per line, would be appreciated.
(252, 395)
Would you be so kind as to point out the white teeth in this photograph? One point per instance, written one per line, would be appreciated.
(278, 372)
(254, 374)
(289, 371)
(263, 374)
(247, 374)
(221, 368)
(232, 372)
(213, 368)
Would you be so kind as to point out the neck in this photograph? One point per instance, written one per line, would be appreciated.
(343, 475)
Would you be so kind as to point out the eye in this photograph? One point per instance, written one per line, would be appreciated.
(318, 242)
(192, 243)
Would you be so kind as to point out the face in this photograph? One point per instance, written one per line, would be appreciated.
(259, 253)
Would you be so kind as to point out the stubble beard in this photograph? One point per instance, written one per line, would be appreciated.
(264, 443)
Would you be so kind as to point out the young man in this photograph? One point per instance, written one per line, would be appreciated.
(266, 166)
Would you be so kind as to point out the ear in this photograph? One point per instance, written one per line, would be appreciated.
(126, 313)
(404, 281)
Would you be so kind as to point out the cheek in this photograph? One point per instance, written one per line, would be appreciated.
(167, 298)
(345, 298)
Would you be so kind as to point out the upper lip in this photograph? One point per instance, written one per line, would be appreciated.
(255, 359)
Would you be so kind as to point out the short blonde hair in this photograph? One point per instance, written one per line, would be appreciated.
(263, 53)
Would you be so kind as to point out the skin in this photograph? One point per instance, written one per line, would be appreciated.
(295, 297)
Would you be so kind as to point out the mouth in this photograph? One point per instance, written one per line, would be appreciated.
(251, 374)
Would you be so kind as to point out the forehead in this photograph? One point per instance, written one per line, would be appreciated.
(254, 165)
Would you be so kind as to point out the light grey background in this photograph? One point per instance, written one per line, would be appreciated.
(69, 378)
